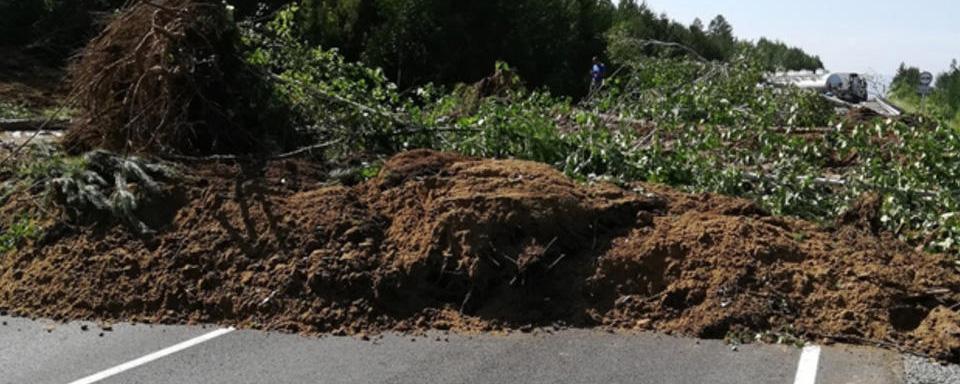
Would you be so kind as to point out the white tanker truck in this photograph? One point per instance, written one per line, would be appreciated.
(849, 87)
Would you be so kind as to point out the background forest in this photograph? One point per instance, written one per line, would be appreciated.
(549, 42)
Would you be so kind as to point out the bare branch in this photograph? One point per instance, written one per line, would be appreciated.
(643, 43)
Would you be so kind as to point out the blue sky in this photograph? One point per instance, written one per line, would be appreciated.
(850, 36)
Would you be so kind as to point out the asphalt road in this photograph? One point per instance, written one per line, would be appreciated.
(45, 352)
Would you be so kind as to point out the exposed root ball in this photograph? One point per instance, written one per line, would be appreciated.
(165, 76)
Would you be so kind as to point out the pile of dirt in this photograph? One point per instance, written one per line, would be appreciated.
(446, 242)
(167, 77)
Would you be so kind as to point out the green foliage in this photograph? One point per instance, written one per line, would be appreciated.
(16, 233)
(710, 127)
(96, 186)
(903, 88)
(48, 166)
(638, 22)
(550, 42)
(777, 55)
(328, 95)
(82, 188)
(13, 111)
(679, 91)
(942, 104)
(665, 116)
(906, 80)
(10, 110)
(703, 126)
(56, 28)
(948, 91)
(335, 23)
(369, 171)
(698, 125)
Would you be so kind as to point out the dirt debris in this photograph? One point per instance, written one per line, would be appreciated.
(442, 241)
(941, 328)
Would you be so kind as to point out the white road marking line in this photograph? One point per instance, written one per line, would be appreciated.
(153, 356)
(807, 368)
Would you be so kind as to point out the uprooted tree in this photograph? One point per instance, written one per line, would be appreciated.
(167, 76)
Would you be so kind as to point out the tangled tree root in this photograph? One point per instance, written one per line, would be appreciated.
(166, 76)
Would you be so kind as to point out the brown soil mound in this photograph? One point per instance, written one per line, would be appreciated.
(442, 241)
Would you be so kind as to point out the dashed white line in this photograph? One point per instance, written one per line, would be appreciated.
(807, 368)
(153, 356)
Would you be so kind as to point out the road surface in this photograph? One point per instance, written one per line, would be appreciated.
(81, 353)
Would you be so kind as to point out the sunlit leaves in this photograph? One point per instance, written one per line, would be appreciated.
(694, 125)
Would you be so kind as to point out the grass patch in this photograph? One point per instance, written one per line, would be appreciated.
(10, 110)
(14, 111)
(17, 233)
(911, 105)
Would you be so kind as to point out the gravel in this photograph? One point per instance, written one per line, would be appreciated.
(919, 370)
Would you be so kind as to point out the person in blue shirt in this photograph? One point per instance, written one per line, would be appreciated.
(596, 74)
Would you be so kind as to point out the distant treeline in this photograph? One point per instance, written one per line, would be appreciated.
(550, 42)
(715, 41)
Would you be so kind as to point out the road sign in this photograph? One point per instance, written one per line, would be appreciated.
(926, 79)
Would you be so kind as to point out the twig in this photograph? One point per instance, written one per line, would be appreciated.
(343, 100)
(395, 117)
(433, 130)
(649, 42)
(162, 7)
(653, 297)
(466, 300)
(865, 340)
(282, 156)
(542, 254)
(490, 256)
(938, 291)
(270, 297)
(557, 261)
(306, 150)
